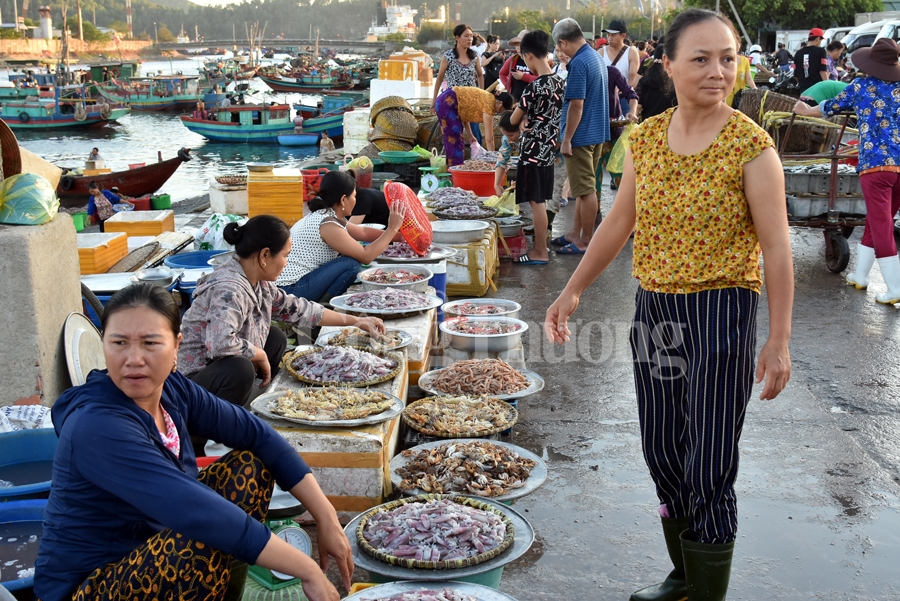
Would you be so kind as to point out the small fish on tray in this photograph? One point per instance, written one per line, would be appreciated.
(400, 250)
(482, 327)
(341, 365)
(435, 530)
(387, 300)
(355, 337)
(442, 194)
(440, 205)
(459, 416)
(466, 212)
(478, 309)
(477, 467)
(479, 377)
(329, 404)
(393, 276)
(425, 594)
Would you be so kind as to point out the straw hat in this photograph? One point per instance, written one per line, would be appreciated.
(518, 39)
(879, 61)
(17, 160)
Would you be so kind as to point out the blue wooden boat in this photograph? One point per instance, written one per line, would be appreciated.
(331, 103)
(303, 139)
(162, 93)
(68, 109)
(333, 121)
(242, 123)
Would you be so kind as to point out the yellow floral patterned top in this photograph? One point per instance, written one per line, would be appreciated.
(473, 103)
(694, 231)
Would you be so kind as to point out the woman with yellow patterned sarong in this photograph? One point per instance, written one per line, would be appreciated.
(457, 108)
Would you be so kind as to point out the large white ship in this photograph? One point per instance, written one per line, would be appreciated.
(392, 19)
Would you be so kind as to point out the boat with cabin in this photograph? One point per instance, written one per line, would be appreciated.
(159, 93)
(67, 108)
(242, 123)
(332, 121)
(313, 81)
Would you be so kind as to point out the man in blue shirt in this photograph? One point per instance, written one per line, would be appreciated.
(585, 127)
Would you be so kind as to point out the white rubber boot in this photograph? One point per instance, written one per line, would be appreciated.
(865, 258)
(890, 271)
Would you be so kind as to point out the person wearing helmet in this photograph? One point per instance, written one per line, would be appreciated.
(756, 60)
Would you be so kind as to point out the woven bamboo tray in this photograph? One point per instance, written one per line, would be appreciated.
(288, 360)
(435, 565)
(511, 414)
(487, 213)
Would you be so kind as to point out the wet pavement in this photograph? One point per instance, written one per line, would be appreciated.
(820, 465)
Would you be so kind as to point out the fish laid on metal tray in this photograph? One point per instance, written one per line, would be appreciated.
(342, 364)
(478, 309)
(442, 194)
(479, 377)
(471, 211)
(393, 276)
(462, 201)
(400, 250)
(386, 300)
(482, 327)
(355, 337)
(437, 530)
(477, 467)
(425, 595)
(327, 404)
(462, 416)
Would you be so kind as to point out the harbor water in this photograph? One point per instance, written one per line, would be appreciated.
(140, 136)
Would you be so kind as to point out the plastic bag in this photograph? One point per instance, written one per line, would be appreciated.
(616, 163)
(209, 236)
(438, 161)
(27, 199)
(475, 149)
(425, 154)
(506, 205)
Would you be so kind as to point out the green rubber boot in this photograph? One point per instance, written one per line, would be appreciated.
(674, 587)
(708, 568)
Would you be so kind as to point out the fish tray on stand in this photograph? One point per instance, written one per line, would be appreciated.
(837, 224)
(487, 573)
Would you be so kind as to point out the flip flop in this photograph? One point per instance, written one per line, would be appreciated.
(525, 260)
(569, 249)
(561, 241)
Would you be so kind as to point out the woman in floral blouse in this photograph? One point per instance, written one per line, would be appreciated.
(876, 100)
(703, 191)
(228, 336)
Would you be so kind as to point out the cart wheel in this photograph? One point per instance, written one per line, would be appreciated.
(837, 252)
(847, 231)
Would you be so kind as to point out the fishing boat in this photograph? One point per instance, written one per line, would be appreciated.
(160, 93)
(9, 91)
(73, 189)
(331, 103)
(242, 123)
(67, 109)
(313, 82)
(303, 139)
(332, 121)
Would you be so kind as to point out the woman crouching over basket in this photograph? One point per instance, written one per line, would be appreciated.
(129, 516)
(327, 253)
(228, 334)
(703, 191)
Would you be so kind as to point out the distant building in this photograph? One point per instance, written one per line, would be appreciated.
(392, 19)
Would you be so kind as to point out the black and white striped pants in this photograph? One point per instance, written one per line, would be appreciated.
(693, 370)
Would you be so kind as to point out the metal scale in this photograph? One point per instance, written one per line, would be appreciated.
(282, 509)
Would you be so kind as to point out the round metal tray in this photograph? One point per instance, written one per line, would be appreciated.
(435, 254)
(491, 343)
(512, 307)
(479, 591)
(523, 538)
(405, 338)
(535, 479)
(260, 405)
(535, 384)
(339, 302)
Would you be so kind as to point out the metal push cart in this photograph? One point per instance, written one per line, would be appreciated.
(831, 202)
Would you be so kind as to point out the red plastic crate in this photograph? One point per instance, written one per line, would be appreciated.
(518, 246)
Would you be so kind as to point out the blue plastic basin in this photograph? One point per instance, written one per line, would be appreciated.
(26, 446)
(191, 260)
(15, 513)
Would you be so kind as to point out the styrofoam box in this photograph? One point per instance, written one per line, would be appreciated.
(228, 199)
(411, 90)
